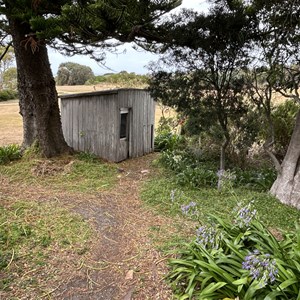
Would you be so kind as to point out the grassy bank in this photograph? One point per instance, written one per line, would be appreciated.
(166, 197)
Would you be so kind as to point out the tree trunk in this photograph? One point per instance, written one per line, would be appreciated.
(221, 173)
(287, 185)
(37, 93)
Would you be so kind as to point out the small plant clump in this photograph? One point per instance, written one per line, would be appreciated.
(9, 153)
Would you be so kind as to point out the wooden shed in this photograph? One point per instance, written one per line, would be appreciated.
(113, 124)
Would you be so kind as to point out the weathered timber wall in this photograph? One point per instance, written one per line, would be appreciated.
(91, 122)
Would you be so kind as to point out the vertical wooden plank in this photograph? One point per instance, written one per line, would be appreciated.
(70, 117)
(80, 129)
(75, 113)
(146, 135)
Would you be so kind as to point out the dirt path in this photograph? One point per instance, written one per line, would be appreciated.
(122, 263)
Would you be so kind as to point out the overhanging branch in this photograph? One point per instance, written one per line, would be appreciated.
(5, 51)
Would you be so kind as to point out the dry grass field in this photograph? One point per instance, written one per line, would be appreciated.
(10, 123)
(11, 131)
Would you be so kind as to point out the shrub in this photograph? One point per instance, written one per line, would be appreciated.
(260, 180)
(166, 137)
(8, 95)
(189, 171)
(195, 171)
(241, 259)
(284, 120)
(9, 153)
(166, 140)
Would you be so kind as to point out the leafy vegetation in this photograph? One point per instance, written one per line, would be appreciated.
(9, 153)
(197, 167)
(224, 92)
(8, 95)
(238, 250)
(233, 236)
(284, 116)
(240, 258)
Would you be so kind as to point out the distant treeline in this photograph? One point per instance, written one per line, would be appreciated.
(8, 95)
(123, 79)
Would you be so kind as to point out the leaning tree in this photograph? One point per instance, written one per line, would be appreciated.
(72, 27)
(278, 38)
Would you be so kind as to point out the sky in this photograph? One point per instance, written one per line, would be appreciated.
(127, 59)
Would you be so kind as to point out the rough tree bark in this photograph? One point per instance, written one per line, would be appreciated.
(287, 185)
(37, 93)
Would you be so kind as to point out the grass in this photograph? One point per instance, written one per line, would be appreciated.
(66, 174)
(40, 242)
(31, 232)
(156, 193)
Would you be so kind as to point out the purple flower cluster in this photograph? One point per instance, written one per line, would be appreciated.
(187, 208)
(261, 267)
(244, 215)
(208, 237)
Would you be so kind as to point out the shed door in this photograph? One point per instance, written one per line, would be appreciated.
(124, 133)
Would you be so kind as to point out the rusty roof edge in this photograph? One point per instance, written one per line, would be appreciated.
(96, 93)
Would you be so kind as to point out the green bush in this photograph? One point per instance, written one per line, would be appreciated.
(241, 259)
(9, 153)
(284, 121)
(193, 171)
(258, 179)
(166, 140)
(8, 95)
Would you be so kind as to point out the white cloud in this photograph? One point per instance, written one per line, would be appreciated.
(195, 4)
